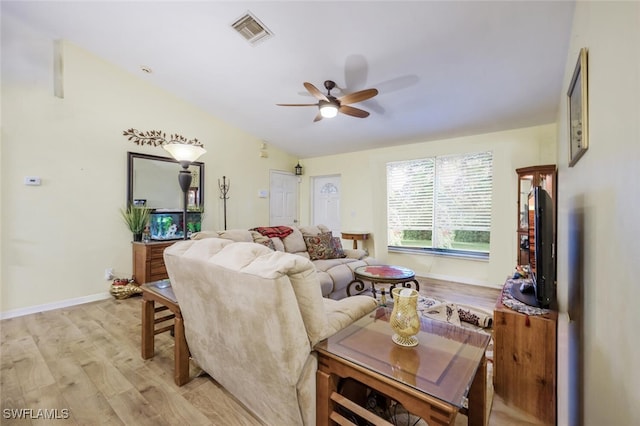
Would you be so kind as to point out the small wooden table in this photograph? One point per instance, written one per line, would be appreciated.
(434, 380)
(383, 274)
(355, 236)
(152, 294)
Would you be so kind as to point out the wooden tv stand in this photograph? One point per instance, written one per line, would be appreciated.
(524, 371)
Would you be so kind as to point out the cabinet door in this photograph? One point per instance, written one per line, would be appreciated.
(525, 183)
(528, 177)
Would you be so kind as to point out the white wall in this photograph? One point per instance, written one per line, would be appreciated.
(58, 238)
(598, 227)
(363, 200)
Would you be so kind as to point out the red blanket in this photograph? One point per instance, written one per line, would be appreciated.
(274, 231)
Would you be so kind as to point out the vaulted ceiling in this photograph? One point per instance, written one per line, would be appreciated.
(442, 68)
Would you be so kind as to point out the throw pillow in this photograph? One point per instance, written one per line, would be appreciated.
(319, 246)
(277, 244)
(293, 243)
(267, 243)
(337, 247)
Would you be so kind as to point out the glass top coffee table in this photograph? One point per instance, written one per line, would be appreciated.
(383, 274)
(433, 380)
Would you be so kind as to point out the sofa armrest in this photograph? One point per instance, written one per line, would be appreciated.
(356, 253)
(344, 312)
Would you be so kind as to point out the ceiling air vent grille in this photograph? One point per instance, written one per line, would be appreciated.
(250, 27)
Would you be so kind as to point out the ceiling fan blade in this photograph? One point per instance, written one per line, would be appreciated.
(315, 92)
(297, 104)
(354, 112)
(318, 117)
(360, 96)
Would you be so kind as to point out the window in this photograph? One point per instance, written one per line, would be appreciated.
(441, 204)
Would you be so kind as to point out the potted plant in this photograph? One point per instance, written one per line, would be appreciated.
(136, 218)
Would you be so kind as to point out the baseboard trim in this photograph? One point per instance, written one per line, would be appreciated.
(461, 280)
(55, 305)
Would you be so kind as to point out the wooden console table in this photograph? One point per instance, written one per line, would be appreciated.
(524, 369)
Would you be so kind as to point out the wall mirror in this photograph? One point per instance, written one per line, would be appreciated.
(153, 182)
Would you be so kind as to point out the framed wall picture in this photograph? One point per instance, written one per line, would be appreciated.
(578, 111)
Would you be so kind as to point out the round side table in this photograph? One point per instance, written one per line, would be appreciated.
(383, 274)
(355, 236)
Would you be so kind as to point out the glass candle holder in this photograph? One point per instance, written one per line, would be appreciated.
(405, 321)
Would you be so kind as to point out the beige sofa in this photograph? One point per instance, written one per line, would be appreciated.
(252, 316)
(334, 274)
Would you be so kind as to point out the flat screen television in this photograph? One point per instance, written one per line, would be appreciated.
(542, 255)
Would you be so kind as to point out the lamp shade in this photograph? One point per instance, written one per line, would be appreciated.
(328, 110)
(184, 152)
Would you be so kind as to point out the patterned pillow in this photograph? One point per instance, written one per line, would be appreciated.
(268, 242)
(319, 246)
(337, 247)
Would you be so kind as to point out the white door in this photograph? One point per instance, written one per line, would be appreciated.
(326, 202)
(283, 200)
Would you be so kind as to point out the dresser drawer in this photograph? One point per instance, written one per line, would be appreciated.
(156, 266)
(148, 261)
(156, 252)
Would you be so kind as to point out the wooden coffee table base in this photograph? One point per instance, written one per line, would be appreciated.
(432, 410)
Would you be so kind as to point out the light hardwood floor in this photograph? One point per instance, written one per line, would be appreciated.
(87, 359)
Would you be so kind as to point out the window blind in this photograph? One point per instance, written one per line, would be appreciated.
(441, 202)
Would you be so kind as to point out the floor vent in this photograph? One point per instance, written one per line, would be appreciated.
(250, 27)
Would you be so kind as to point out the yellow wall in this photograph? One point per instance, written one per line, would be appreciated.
(363, 199)
(58, 238)
(598, 226)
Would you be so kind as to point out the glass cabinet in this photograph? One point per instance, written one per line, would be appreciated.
(528, 177)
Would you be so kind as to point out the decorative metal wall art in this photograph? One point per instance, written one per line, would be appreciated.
(158, 138)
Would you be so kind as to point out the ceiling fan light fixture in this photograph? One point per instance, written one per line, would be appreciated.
(328, 110)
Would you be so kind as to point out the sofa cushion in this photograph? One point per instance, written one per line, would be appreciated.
(304, 281)
(294, 242)
(204, 234)
(336, 274)
(356, 253)
(237, 235)
(341, 313)
(314, 229)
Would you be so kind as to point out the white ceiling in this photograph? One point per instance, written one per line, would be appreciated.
(443, 69)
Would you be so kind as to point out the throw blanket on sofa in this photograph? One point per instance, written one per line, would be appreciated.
(274, 231)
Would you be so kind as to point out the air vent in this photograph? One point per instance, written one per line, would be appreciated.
(250, 27)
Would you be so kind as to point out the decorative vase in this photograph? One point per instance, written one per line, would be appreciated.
(405, 320)
(137, 236)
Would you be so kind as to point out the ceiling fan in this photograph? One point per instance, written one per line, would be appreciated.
(329, 106)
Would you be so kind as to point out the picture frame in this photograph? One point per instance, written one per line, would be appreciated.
(577, 109)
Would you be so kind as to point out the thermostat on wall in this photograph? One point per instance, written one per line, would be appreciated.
(32, 180)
